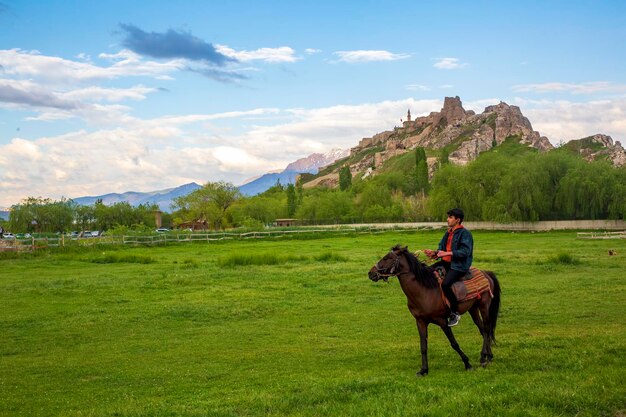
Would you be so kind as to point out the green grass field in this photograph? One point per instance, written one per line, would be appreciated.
(294, 327)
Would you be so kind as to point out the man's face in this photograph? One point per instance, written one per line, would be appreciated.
(452, 221)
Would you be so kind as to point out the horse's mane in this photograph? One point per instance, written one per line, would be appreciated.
(423, 274)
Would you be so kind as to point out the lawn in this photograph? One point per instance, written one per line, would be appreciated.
(294, 327)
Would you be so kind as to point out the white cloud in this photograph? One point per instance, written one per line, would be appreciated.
(93, 94)
(581, 88)
(32, 65)
(417, 87)
(565, 120)
(449, 63)
(168, 151)
(368, 56)
(270, 55)
(312, 51)
(24, 94)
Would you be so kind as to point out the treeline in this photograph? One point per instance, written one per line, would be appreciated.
(509, 183)
(39, 215)
(532, 187)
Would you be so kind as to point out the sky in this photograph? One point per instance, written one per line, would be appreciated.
(106, 97)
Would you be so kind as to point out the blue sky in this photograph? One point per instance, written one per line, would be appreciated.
(99, 97)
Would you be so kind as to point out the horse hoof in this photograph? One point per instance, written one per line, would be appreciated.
(469, 368)
(484, 364)
(421, 373)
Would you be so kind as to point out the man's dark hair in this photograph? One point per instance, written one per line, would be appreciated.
(458, 213)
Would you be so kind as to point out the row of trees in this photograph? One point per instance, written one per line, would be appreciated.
(39, 215)
(549, 186)
(502, 185)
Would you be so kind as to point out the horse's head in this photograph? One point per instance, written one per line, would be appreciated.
(390, 265)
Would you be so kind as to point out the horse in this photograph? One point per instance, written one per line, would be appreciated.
(425, 302)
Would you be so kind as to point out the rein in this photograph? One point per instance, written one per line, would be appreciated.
(385, 273)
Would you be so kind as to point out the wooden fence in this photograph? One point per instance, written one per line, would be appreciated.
(34, 243)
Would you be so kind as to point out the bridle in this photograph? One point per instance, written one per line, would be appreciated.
(391, 271)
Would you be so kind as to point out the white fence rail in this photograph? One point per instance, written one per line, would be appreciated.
(32, 243)
(601, 235)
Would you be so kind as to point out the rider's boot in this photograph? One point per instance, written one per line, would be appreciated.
(454, 319)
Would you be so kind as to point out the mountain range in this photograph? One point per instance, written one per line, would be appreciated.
(164, 198)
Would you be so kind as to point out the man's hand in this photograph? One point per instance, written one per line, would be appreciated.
(430, 253)
(441, 254)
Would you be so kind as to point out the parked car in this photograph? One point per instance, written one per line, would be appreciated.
(162, 230)
(8, 235)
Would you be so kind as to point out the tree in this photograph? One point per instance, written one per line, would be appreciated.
(37, 214)
(421, 171)
(444, 157)
(345, 178)
(292, 203)
(210, 203)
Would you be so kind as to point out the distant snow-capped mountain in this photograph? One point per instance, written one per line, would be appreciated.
(310, 164)
(316, 161)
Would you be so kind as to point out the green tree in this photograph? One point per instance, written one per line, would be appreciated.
(421, 171)
(292, 200)
(326, 206)
(37, 214)
(345, 178)
(588, 191)
(444, 157)
(210, 203)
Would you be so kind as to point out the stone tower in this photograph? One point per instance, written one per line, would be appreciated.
(408, 115)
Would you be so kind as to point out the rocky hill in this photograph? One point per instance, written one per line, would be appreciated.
(598, 147)
(459, 134)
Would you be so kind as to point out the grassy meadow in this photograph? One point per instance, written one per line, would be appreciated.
(294, 327)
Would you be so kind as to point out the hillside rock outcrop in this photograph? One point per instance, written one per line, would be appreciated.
(598, 147)
(464, 135)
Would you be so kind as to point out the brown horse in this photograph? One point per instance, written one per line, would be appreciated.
(425, 302)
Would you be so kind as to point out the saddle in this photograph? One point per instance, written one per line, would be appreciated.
(473, 284)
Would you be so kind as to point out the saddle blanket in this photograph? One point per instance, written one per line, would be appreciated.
(472, 285)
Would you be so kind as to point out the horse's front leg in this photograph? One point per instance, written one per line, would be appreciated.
(422, 328)
(448, 331)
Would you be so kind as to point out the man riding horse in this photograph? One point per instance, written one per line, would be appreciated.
(455, 251)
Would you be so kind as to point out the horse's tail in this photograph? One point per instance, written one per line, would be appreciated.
(494, 308)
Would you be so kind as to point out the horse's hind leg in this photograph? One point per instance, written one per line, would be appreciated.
(448, 331)
(486, 355)
(485, 352)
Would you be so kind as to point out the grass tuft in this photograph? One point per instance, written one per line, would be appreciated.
(258, 258)
(127, 258)
(275, 258)
(564, 259)
(330, 257)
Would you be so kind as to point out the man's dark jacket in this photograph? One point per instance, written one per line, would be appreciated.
(462, 249)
